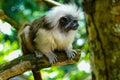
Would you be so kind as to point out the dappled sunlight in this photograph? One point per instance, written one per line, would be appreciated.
(13, 55)
(5, 28)
(84, 66)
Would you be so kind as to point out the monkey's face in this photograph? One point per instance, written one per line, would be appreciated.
(68, 22)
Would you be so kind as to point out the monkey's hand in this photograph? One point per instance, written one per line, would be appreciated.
(70, 53)
(51, 56)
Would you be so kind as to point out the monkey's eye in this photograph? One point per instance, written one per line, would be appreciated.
(64, 21)
(75, 21)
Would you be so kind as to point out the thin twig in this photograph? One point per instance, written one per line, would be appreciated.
(54, 3)
(9, 20)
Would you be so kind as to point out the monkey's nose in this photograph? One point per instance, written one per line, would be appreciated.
(75, 23)
(75, 26)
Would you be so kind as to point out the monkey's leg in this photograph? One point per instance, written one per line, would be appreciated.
(50, 55)
(45, 47)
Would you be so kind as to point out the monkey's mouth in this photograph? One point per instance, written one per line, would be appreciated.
(73, 27)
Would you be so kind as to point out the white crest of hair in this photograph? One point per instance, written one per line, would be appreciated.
(61, 10)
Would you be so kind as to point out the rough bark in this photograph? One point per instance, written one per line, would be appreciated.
(29, 62)
(103, 28)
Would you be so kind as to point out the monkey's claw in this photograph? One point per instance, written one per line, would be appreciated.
(71, 54)
(52, 58)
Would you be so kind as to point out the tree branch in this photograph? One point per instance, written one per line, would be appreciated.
(51, 2)
(29, 62)
(8, 19)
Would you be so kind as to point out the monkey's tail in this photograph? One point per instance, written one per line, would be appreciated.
(36, 75)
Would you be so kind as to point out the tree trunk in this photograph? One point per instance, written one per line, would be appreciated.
(103, 29)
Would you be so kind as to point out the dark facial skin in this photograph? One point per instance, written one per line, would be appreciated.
(68, 22)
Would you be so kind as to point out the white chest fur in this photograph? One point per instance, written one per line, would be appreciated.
(54, 39)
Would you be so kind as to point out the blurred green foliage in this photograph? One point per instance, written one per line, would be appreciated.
(23, 11)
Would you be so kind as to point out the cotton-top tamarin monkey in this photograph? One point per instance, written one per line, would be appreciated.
(54, 31)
